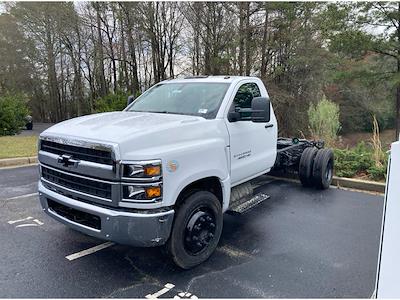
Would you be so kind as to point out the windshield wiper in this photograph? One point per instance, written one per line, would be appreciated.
(153, 111)
(161, 112)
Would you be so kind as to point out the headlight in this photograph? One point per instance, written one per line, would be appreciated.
(141, 181)
(135, 192)
(148, 169)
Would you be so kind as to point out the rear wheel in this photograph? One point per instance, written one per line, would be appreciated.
(323, 168)
(306, 166)
(196, 230)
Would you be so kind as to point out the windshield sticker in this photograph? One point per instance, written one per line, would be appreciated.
(202, 110)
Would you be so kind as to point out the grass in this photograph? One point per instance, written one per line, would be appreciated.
(18, 146)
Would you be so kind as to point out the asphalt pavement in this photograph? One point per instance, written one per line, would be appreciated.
(37, 129)
(299, 243)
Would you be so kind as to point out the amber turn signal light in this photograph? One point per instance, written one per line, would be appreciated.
(153, 192)
(152, 170)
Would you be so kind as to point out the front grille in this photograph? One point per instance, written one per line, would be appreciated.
(87, 186)
(75, 215)
(88, 154)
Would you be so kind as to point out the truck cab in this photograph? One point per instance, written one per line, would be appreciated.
(162, 171)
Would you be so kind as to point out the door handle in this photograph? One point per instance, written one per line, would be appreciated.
(269, 125)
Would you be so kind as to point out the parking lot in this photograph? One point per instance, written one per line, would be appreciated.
(299, 243)
(38, 128)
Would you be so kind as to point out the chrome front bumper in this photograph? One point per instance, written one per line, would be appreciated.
(137, 229)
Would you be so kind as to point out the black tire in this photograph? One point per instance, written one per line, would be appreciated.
(181, 246)
(323, 168)
(306, 166)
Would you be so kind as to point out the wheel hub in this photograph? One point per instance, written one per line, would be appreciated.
(200, 231)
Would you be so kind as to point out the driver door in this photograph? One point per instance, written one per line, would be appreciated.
(252, 145)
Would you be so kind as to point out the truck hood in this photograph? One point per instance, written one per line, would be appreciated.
(117, 126)
(136, 131)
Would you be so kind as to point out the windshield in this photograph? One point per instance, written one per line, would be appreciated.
(192, 98)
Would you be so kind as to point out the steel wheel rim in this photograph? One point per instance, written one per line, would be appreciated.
(200, 231)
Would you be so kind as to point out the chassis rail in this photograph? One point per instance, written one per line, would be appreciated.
(290, 150)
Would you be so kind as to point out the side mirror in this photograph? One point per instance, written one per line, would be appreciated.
(131, 98)
(260, 110)
(233, 116)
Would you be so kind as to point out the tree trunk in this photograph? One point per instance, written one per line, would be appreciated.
(110, 37)
(54, 94)
(241, 37)
(128, 85)
(263, 70)
(207, 42)
(154, 43)
(134, 89)
(248, 39)
(197, 29)
(100, 55)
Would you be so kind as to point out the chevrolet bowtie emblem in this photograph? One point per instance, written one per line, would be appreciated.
(67, 160)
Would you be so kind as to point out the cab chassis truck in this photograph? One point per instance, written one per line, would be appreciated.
(163, 171)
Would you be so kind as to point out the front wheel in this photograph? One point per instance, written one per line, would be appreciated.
(196, 230)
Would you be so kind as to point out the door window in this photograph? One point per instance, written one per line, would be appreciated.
(244, 96)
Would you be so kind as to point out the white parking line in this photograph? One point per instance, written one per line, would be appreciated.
(161, 292)
(89, 251)
(20, 220)
(38, 222)
(185, 295)
(22, 196)
(26, 225)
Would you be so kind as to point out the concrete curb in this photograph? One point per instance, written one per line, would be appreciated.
(18, 161)
(351, 183)
(358, 184)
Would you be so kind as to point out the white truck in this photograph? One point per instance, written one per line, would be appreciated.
(164, 170)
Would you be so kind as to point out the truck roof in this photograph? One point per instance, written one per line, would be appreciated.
(220, 78)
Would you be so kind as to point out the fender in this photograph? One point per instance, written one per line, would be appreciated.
(225, 186)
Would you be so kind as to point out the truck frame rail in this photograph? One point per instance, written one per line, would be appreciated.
(289, 151)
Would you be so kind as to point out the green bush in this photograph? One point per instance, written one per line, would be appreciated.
(377, 173)
(13, 111)
(324, 120)
(359, 161)
(111, 102)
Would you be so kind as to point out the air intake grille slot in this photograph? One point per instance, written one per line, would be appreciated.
(87, 186)
(75, 215)
(88, 154)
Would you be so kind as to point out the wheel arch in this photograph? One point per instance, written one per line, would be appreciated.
(213, 184)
